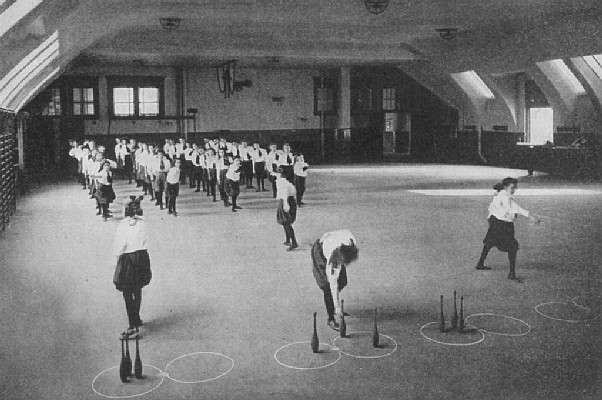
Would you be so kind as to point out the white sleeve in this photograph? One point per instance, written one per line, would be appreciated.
(518, 209)
(281, 189)
(120, 243)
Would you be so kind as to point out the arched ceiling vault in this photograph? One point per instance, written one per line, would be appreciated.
(495, 36)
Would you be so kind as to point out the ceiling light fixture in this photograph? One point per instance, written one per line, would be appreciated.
(170, 23)
(376, 6)
(448, 33)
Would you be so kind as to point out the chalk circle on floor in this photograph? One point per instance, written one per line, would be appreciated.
(107, 383)
(559, 311)
(199, 367)
(359, 345)
(431, 332)
(499, 324)
(299, 355)
(587, 302)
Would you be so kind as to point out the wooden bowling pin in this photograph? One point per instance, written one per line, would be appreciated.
(128, 358)
(343, 325)
(441, 317)
(375, 338)
(123, 371)
(315, 343)
(138, 362)
(454, 317)
(461, 321)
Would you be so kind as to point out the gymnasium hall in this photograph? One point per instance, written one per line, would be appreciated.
(390, 119)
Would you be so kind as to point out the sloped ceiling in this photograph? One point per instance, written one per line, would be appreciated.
(493, 35)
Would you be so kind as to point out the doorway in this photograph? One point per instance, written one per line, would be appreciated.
(541, 125)
(397, 133)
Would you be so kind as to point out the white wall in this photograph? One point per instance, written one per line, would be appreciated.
(253, 108)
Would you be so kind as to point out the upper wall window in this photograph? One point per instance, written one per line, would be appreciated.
(149, 101)
(80, 96)
(123, 102)
(53, 106)
(83, 101)
(390, 99)
(135, 97)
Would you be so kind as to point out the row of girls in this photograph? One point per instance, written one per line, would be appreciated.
(217, 166)
(205, 167)
(94, 171)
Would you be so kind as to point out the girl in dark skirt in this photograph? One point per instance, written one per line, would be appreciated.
(330, 254)
(233, 182)
(133, 270)
(502, 212)
(104, 193)
(287, 208)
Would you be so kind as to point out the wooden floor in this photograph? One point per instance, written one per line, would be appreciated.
(227, 303)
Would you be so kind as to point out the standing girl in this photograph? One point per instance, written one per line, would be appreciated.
(133, 270)
(104, 193)
(300, 169)
(330, 255)
(287, 208)
(502, 212)
(233, 182)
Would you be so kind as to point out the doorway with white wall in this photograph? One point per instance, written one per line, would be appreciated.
(540, 125)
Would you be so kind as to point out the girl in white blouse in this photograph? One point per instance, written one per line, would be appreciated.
(133, 269)
(330, 255)
(503, 209)
(287, 208)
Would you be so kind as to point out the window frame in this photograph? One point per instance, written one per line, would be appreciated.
(386, 99)
(82, 82)
(136, 83)
(50, 90)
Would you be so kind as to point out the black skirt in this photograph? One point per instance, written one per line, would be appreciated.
(319, 268)
(287, 217)
(132, 271)
(501, 235)
(105, 194)
(197, 172)
(172, 189)
(232, 188)
(260, 172)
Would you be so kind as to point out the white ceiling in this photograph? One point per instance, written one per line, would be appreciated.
(494, 36)
(508, 33)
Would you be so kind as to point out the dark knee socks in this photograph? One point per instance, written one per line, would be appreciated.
(512, 260)
(329, 303)
(484, 254)
(290, 234)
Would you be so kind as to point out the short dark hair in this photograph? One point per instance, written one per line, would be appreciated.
(132, 207)
(505, 183)
(349, 252)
